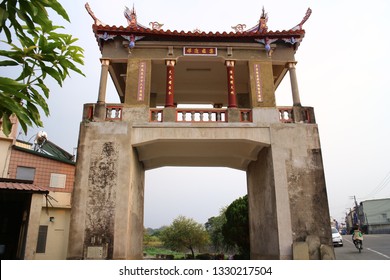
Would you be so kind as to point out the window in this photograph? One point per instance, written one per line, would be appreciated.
(25, 173)
(42, 236)
(57, 180)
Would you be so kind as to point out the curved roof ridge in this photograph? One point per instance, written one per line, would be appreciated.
(131, 16)
(299, 26)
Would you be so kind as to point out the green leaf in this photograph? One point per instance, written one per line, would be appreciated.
(39, 100)
(3, 16)
(54, 74)
(11, 83)
(7, 125)
(44, 88)
(8, 63)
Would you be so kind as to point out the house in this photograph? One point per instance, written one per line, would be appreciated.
(35, 194)
(375, 215)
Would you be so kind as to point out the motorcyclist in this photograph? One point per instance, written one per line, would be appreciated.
(357, 235)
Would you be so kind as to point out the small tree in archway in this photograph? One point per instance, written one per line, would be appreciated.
(184, 234)
(236, 228)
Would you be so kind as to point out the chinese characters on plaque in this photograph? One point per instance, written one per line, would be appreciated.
(141, 81)
(258, 89)
(203, 51)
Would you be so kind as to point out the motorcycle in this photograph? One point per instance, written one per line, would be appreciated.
(358, 244)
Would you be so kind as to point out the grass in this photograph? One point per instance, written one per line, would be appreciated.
(152, 251)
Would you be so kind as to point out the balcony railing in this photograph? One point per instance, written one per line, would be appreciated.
(201, 115)
(286, 114)
(296, 114)
(114, 112)
(156, 115)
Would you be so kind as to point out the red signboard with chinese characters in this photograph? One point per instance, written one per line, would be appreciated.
(202, 51)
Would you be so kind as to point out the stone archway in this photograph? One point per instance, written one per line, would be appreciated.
(281, 163)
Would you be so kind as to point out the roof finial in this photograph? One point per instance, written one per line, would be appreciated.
(299, 26)
(131, 16)
(89, 10)
(263, 21)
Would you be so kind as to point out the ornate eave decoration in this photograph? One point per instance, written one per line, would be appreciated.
(155, 25)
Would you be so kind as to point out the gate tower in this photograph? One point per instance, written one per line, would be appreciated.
(154, 72)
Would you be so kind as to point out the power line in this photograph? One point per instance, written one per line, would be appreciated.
(385, 181)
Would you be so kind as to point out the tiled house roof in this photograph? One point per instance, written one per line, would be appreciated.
(21, 185)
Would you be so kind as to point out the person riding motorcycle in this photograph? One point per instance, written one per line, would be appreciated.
(357, 236)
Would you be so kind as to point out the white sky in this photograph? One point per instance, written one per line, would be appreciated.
(342, 72)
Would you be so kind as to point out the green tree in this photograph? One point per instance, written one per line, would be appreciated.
(36, 51)
(214, 228)
(184, 233)
(236, 229)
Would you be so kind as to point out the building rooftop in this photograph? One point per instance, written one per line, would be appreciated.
(135, 31)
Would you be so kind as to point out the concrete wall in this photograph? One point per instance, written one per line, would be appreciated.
(300, 162)
(5, 153)
(287, 193)
(33, 226)
(107, 208)
(57, 234)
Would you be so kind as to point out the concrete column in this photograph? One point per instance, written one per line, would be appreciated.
(169, 97)
(294, 84)
(33, 226)
(135, 204)
(103, 81)
(264, 214)
(232, 97)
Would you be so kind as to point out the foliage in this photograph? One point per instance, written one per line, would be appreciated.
(214, 228)
(184, 233)
(236, 229)
(37, 51)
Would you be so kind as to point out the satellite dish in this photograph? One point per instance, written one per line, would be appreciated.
(41, 137)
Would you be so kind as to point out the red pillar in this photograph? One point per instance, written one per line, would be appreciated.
(169, 96)
(232, 99)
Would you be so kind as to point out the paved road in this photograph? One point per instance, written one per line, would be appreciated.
(375, 247)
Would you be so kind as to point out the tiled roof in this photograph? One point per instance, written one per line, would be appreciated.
(139, 31)
(135, 31)
(20, 186)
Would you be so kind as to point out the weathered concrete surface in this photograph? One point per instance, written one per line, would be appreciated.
(300, 251)
(303, 167)
(107, 208)
(327, 252)
(314, 247)
(263, 212)
(33, 229)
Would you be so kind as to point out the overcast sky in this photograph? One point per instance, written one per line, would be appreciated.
(342, 72)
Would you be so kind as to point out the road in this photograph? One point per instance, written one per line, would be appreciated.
(375, 247)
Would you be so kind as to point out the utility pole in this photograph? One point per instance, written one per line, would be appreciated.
(357, 212)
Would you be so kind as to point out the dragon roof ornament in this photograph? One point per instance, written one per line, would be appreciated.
(306, 17)
(131, 16)
(96, 20)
